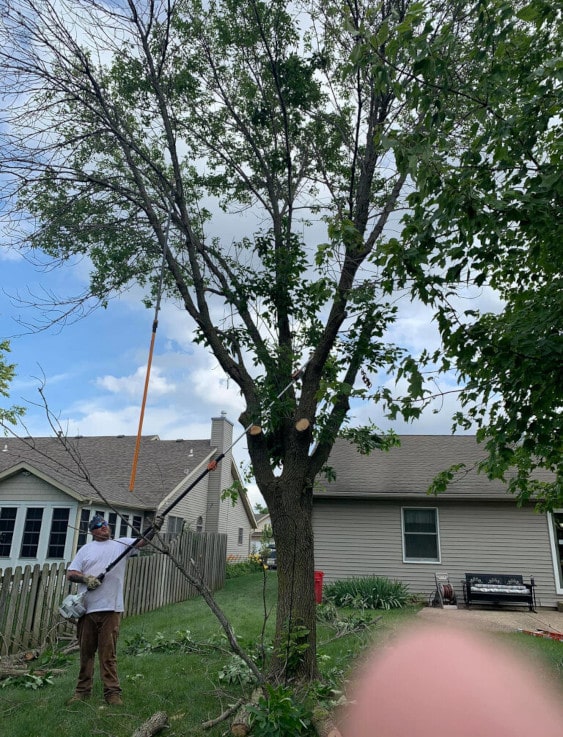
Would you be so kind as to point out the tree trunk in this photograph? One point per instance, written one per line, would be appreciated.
(290, 506)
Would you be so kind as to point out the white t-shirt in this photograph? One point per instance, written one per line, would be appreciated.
(92, 560)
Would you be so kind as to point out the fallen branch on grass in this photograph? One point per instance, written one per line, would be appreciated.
(9, 671)
(240, 726)
(155, 724)
(324, 726)
(222, 717)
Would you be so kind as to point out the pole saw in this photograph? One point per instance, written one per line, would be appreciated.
(73, 604)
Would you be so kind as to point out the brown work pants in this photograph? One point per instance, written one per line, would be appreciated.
(98, 631)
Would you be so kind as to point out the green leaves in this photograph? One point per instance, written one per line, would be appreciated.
(369, 438)
(278, 714)
(485, 211)
(7, 370)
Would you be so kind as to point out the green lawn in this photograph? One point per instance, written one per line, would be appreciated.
(186, 685)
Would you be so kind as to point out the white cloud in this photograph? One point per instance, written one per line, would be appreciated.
(133, 385)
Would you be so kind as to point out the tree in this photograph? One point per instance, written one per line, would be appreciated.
(127, 115)
(486, 211)
(9, 414)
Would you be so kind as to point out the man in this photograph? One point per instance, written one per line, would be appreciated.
(99, 627)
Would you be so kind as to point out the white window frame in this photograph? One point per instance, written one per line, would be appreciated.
(423, 561)
(43, 543)
(554, 552)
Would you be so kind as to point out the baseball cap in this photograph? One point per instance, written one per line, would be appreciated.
(96, 522)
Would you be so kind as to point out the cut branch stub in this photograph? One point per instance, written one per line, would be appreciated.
(302, 424)
(255, 430)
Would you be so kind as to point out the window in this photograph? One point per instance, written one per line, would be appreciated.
(199, 524)
(240, 534)
(137, 525)
(420, 535)
(7, 524)
(83, 528)
(57, 537)
(174, 525)
(123, 526)
(557, 522)
(112, 521)
(31, 532)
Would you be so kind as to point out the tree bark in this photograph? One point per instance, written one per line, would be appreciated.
(155, 724)
(240, 725)
(290, 506)
(324, 726)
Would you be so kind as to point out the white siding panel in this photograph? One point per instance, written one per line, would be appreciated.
(25, 487)
(230, 520)
(193, 505)
(361, 538)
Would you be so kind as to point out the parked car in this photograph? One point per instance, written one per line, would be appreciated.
(271, 557)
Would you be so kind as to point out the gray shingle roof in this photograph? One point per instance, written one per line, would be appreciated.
(408, 470)
(106, 461)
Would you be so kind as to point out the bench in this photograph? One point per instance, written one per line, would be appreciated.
(498, 588)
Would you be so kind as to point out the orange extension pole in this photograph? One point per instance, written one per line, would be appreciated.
(149, 362)
(142, 415)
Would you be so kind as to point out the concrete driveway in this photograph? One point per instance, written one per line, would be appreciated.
(489, 619)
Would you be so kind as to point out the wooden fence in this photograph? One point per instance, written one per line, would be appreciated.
(30, 597)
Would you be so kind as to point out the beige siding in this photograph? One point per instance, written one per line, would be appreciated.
(230, 520)
(193, 505)
(25, 487)
(358, 538)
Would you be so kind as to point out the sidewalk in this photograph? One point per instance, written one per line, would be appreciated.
(495, 620)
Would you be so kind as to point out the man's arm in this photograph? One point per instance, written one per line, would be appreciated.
(151, 531)
(90, 581)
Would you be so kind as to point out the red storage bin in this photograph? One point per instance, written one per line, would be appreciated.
(319, 586)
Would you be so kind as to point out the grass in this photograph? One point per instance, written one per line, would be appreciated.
(186, 685)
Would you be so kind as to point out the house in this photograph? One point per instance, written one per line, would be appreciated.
(376, 518)
(263, 530)
(50, 487)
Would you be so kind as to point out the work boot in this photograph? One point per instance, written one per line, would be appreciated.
(78, 697)
(114, 699)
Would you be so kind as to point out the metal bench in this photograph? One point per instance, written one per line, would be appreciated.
(498, 589)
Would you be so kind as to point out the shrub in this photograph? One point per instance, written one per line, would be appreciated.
(369, 592)
(279, 714)
(237, 567)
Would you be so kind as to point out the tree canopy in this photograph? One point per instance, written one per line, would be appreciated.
(379, 150)
(486, 211)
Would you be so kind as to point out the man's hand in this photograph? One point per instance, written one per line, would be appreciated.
(92, 582)
(158, 522)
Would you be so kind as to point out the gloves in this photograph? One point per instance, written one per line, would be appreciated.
(92, 582)
(158, 522)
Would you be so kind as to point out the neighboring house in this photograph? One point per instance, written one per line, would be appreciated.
(48, 493)
(263, 524)
(377, 519)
